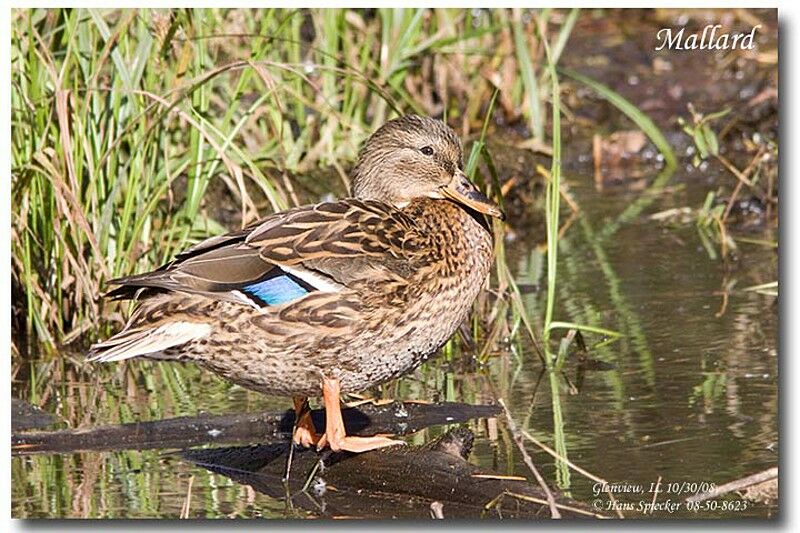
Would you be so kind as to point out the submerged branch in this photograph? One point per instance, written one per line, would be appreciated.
(399, 481)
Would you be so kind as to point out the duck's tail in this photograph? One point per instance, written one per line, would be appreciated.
(151, 340)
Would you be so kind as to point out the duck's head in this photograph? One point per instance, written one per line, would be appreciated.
(416, 157)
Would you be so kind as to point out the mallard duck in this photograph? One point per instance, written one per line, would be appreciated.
(329, 298)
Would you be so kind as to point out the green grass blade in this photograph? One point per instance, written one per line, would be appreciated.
(556, 324)
(528, 77)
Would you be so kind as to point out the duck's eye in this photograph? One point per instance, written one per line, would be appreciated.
(427, 150)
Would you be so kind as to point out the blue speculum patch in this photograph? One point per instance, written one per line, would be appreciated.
(276, 290)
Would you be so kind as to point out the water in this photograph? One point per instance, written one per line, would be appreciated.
(693, 397)
(690, 393)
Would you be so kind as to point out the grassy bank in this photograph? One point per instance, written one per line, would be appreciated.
(137, 132)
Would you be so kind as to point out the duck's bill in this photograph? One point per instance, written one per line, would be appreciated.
(463, 191)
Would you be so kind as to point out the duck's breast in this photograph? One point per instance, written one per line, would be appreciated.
(435, 301)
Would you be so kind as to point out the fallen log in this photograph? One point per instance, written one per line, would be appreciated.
(367, 419)
(397, 482)
(25, 416)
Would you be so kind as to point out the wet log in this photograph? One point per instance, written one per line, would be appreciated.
(396, 482)
(367, 419)
(25, 416)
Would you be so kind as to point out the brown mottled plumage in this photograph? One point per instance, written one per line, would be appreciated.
(337, 296)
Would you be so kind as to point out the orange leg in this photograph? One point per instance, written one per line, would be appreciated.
(305, 433)
(335, 435)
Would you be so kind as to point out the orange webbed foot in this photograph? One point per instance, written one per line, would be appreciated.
(335, 436)
(305, 434)
(361, 444)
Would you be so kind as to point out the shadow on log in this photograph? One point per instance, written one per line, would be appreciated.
(368, 419)
(395, 482)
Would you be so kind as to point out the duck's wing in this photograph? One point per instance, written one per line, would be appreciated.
(324, 247)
